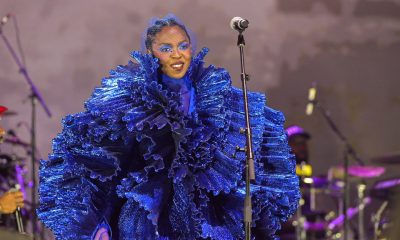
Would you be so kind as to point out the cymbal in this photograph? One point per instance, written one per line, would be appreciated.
(392, 158)
(385, 189)
(366, 171)
(388, 183)
(337, 172)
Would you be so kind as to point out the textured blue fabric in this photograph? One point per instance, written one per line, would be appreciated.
(185, 89)
(136, 159)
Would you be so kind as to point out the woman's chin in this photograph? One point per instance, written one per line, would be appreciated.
(176, 75)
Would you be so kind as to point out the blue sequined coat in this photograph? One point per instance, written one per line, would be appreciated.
(134, 161)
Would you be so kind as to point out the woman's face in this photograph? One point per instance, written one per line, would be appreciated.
(172, 47)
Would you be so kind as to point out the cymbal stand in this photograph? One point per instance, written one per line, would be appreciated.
(376, 219)
(34, 96)
(348, 151)
(300, 221)
(361, 194)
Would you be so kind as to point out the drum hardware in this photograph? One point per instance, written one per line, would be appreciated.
(384, 190)
(338, 222)
(389, 159)
(359, 173)
(330, 216)
(300, 219)
(331, 224)
(310, 223)
(315, 224)
(348, 152)
(376, 220)
(356, 172)
(361, 194)
(366, 171)
(318, 226)
(299, 223)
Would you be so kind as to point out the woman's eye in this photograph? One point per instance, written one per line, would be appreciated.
(184, 46)
(165, 49)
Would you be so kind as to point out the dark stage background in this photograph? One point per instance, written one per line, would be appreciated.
(350, 47)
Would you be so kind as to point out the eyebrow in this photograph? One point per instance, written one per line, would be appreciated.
(165, 44)
(169, 44)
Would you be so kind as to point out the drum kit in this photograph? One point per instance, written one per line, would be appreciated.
(314, 220)
(13, 178)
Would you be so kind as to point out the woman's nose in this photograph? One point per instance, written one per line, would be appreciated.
(176, 53)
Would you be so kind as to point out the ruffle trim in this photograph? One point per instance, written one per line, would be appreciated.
(86, 154)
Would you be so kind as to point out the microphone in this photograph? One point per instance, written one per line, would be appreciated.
(239, 24)
(18, 215)
(5, 19)
(312, 93)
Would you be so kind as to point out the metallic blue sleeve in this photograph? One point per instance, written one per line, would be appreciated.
(78, 181)
(275, 193)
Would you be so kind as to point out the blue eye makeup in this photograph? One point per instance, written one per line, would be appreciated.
(165, 48)
(184, 46)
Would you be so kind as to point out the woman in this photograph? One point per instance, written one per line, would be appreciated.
(151, 157)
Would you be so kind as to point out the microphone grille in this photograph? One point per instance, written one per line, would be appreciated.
(232, 23)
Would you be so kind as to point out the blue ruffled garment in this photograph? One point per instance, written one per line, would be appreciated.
(135, 160)
(185, 89)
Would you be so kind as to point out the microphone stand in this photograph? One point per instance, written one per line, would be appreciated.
(34, 96)
(348, 151)
(249, 166)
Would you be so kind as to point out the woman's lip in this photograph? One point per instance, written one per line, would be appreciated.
(177, 66)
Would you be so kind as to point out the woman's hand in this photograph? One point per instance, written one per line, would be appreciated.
(9, 202)
(102, 234)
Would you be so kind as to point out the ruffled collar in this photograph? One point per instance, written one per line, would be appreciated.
(182, 84)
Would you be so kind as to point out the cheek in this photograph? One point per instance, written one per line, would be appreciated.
(162, 60)
(188, 54)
